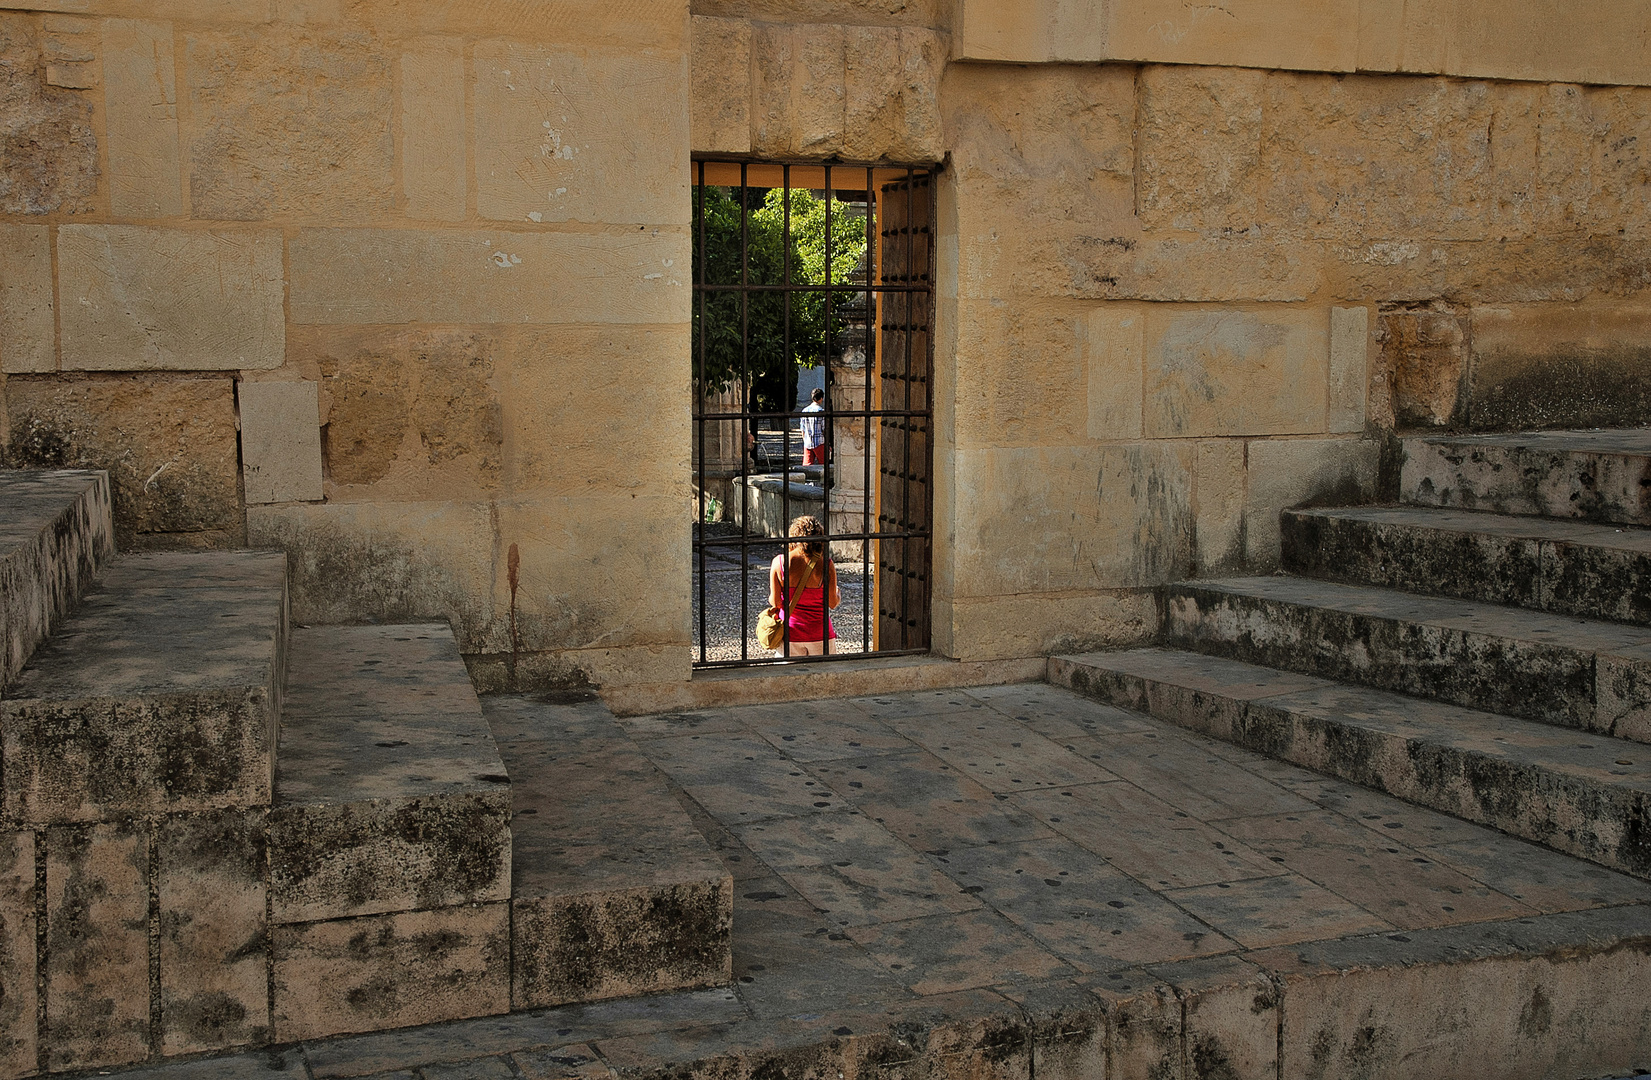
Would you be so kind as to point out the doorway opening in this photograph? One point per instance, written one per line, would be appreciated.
(813, 315)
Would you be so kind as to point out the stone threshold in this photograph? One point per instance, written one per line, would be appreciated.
(725, 687)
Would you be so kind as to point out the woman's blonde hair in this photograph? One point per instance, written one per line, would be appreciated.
(809, 525)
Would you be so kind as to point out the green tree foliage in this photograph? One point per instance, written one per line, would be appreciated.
(722, 332)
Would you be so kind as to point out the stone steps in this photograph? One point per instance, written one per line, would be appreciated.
(55, 534)
(389, 837)
(1592, 475)
(1577, 673)
(1545, 564)
(614, 892)
(1587, 796)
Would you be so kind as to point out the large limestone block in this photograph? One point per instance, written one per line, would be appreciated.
(168, 443)
(287, 122)
(1036, 520)
(1111, 341)
(280, 441)
(1000, 627)
(368, 276)
(1261, 371)
(1037, 32)
(410, 414)
(49, 163)
(1219, 505)
(96, 965)
(559, 390)
(136, 298)
(798, 90)
(140, 100)
(595, 572)
(214, 950)
(388, 562)
(589, 135)
(720, 90)
(1351, 336)
(1424, 354)
(389, 971)
(892, 87)
(1590, 180)
(1043, 173)
(28, 324)
(1301, 472)
(1559, 366)
(933, 13)
(660, 24)
(1022, 368)
(18, 1028)
(1200, 135)
(431, 88)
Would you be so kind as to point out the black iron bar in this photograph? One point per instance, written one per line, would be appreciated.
(745, 393)
(701, 300)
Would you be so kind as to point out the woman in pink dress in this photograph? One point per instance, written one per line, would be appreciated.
(805, 562)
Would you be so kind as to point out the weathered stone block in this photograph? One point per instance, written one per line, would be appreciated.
(1230, 1017)
(1558, 366)
(1596, 476)
(388, 562)
(433, 177)
(1219, 504)
(389, 971)
(138, 298)
(892, 94)
(28, 327)
(720, 120)
(1049, 519)
(96, 967)
(48, 150)
(280, 441)
(18, 1027)
(168, 444)
(1299, 472)
(587, 135)
(1425, 355)
(1022, 369)
(798, 89)
(373, 276)
(152, 698)
(141, 110)
(1012, 626)
(289, 122)
(1111, 342)
(1349, 368)
(557, 407)
(1225, 372)
(1200, 133)
(1585, 171)
(56, 537)
(214, 944)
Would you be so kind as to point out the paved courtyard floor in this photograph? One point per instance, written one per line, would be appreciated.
(967, 852)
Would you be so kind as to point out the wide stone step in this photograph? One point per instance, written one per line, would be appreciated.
(389, 837)
(55, 535)
(614, 892)
(159, 695)
(1577, 673)
(1593, 475)
(1588, 796)
(1569, 567)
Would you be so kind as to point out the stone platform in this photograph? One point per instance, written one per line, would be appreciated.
(1016, 881)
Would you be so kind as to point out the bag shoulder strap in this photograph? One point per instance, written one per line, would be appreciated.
(797, 589)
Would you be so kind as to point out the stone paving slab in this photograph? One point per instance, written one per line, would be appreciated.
(55, 534)
(1564, 566)
(1585, 796)
(1559, 669)
(1068, 956)
(160, 694)
(614, 893)
(1594, 475)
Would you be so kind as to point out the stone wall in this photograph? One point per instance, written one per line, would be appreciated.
(399, 285)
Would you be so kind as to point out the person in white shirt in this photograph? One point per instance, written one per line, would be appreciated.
(814, 451)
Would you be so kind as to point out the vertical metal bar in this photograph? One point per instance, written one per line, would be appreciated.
(905, 431)
(825, 359)
(745, 408)
(868, 586)
(927, 614)
(785, 396)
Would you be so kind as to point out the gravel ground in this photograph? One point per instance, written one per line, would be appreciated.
(722, 604)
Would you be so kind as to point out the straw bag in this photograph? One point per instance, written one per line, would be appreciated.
(770, 631)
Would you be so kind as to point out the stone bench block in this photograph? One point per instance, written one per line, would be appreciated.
(1587, 797)
(390, 795)
(1567, 567)
(1578, 673)
(18, 1027)
(614, 891)
(378, 972)
(156, 697)
(1592, 475)
(55, 534)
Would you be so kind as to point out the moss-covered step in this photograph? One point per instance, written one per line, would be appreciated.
(1594, 475)
(55, 535)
